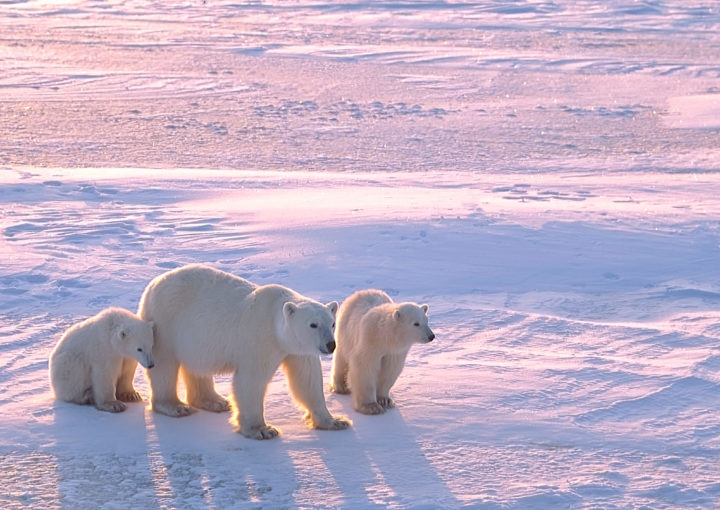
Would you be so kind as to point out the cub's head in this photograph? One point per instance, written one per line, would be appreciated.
(412, 322)
(309, 327)
(133, 338)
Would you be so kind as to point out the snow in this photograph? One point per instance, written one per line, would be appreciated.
(543, 174)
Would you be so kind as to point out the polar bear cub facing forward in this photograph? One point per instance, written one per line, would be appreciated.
(374, 335)
(94, 361)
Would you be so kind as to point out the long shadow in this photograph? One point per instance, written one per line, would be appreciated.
(379, 462)
(100, 457)
(201, 462)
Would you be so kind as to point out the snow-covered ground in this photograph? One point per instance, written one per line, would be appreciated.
(544, 174)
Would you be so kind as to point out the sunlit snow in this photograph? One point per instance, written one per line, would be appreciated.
(544, 174)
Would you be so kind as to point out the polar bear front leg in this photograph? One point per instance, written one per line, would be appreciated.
(125, 390)
(163, 382)
(363, 378)
(390, 368)
(304, 374)
(103, 391)
(249, 388)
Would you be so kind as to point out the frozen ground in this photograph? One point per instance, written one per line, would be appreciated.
(543, 174)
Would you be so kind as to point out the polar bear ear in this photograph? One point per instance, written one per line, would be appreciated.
(333, 307)
(289, 308)
(396, 314)
(425, 308)
(120, 332)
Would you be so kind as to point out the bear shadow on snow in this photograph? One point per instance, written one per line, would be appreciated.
(92, 447)
(385, 456)
(204, 463)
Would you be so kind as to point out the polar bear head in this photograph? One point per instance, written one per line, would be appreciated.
(309, 327)
(412, 323)
(133, 338)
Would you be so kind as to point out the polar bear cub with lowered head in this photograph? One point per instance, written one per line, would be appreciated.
(210, 322)
(94, 361)
(374, 336)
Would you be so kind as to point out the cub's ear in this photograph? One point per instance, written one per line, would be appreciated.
(333, 307)
(120, 332)
(289, 309)
(425, 308)
(396, 314)
(151, 324)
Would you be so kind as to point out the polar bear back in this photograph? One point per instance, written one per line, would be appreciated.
(352, 312)
(92, 339)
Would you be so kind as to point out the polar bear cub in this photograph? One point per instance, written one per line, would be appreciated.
(373, 338)
(94, 361)
(211, 322)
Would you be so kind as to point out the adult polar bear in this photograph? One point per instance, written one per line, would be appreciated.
(210, 322)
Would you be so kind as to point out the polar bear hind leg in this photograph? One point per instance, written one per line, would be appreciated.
(339, 374)
(201, 392)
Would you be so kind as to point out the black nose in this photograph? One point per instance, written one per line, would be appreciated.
(431, 337)
(151, 365)
(330, 347)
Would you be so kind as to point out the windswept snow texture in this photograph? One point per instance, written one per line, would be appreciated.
(544, 174)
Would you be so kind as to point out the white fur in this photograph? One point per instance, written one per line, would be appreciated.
(374, 336)
(94, 361)
(209, 322)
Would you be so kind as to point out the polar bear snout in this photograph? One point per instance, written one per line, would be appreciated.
(147, 361)
(328, 348)
(431, 335)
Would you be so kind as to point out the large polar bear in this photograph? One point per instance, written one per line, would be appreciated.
(94, 361)
(374, 336)
(210, 322)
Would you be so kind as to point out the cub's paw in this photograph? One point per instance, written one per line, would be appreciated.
(340, 389)
(386, 402)
(129, 396)
(261, 432)
(112, 406)
(370, 408)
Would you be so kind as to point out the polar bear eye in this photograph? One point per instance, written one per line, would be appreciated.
(417, 324)
(313, 325)
(139, 349)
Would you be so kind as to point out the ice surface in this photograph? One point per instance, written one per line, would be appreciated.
(543, 174)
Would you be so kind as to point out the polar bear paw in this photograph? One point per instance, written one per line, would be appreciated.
(175, 410)
(340, 388)
(218, 405)
(129, 396)
(112, 406)
(261, 432)
(370, 408)
(386, 402)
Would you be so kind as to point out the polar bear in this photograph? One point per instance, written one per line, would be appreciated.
(210, 322)
(94, 361)
(374, 336)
